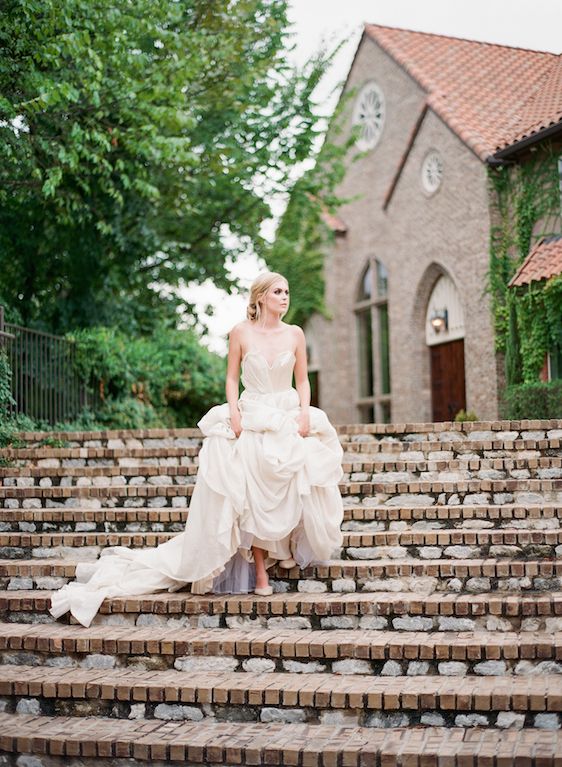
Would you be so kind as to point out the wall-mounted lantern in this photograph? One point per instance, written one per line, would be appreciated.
(439, 320)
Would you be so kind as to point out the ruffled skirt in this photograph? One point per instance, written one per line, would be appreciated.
(270, 488)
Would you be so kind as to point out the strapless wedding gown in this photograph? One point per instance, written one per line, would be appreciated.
(269, 488)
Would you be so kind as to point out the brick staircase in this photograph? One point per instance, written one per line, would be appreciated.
(451, 567)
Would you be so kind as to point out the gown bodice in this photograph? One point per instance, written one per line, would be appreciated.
(261, 377)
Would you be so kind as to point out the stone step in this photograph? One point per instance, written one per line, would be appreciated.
(102, 741)
(120, 519)
(399, 611)
(449, 470)
(384, 653)
(344, 576)
(352, 430)
(370, 450)
(356, 518)
(96, 476)
(53, 457)
(465, 492)
(489, 446)
(454, 543)
(485, 515)
(210, 695)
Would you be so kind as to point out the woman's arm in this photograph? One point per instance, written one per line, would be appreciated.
(232, 376)
(301, 383)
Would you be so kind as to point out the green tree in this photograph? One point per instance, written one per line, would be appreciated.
(138, 142)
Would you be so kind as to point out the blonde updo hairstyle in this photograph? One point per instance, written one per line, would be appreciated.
(259, 288)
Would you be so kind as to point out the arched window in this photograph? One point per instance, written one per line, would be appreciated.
(371, 310)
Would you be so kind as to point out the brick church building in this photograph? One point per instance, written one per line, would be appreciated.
(410, 333)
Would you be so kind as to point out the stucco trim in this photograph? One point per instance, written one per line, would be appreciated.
(406, 153)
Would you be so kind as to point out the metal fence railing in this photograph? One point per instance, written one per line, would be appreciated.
(45, 384)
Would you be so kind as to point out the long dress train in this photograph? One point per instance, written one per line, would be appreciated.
(269, 488)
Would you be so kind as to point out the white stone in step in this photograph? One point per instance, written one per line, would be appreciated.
(453, 668)
(311, 587)
(303, 667)
(417, 668)
(471, 720)
(391, 668)
(476, 499)
(351, 666)
(490, 668)
(478, 584)
(430, 552)
(259, 665)
(50, 582)
(76, 553)
(482, 436)
(462, 552)
(410, 499)
(291, 622)
(377, 552)
(339, 622)
(547, 721)
(509, 720)
(285, 715)
(176, 712)
(527, 668)
(373, 622)
(447, 623)
(20, 584)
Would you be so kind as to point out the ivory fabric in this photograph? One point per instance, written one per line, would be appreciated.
(270, 488)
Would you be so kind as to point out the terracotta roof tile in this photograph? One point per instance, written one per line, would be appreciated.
(544, 261)
(490, 95)
(543, 108)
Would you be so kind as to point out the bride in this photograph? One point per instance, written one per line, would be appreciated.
(267, 483)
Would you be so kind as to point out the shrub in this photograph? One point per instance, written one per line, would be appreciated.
(6, 399)
(462, 416)
(533, 400)
(166, 379)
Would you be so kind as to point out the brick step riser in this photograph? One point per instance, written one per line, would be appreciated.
(468, 493)
(455, 663)
(374, 585)
(353, 452)
(49, 527)
(459, 545)
(118, 477)
(396, 616)
(119, 743)
(365, 518)
(526, 429)
(362, 715)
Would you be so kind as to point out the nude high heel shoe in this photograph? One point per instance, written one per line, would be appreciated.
(287, 564)
(266, 591)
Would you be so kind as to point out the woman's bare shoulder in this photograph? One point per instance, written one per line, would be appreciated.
(239, 330)
(297, 332)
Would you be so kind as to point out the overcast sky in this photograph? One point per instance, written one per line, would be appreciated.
(535, 24)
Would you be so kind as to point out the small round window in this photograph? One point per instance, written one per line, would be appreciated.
(369, 115)
(432, 171)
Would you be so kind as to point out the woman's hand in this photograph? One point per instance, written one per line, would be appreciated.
(303, 421)
(236, 422)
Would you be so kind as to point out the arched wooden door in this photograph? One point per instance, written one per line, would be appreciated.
(448, 394)
(445, 339)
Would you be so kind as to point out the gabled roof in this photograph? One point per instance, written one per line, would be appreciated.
(544, 261)
(489, 95)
